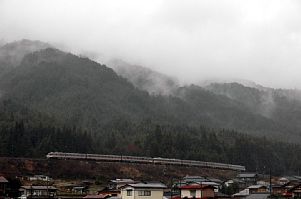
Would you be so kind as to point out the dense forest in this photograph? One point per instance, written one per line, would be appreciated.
(25, 138)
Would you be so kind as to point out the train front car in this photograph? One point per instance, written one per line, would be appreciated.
(50, 155)
(55, 155)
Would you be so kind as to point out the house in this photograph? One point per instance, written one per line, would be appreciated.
(117, 183)
(284, 190)
(296, 191)
(262, 182)
(143, 191)
(113, 188)
(248, 178)
(78, 189)
(188, 180)
(277, 189)
(197, 191)
(251, 190)
(3, 185)
(40, 178)
(28, 192)
(283, 180)
(257, 189)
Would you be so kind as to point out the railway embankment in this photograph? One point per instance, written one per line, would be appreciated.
(81, 169)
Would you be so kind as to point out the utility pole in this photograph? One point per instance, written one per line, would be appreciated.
(270, 182)
(171, 185)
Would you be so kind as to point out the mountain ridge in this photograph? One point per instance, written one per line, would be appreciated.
(82, 92)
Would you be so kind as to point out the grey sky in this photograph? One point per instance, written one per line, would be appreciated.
(194, 40)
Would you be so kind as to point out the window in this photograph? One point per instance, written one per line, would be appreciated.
(192, 193)
(144, 193)
(129, 192)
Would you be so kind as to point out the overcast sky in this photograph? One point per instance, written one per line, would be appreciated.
(194, 40)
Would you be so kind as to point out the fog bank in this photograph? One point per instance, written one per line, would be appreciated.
(258, 40)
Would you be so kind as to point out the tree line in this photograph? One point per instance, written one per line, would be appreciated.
(20, 138)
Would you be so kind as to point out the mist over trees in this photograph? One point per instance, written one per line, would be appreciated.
(57, 101)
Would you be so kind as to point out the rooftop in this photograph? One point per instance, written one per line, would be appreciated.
(122, 181)
(247, 175)
(3, 179)
(244, 192)
(39, 187)
(194, 179)
(215, 180)
(258, 196)
(147, 185)
(209, 183)
(95, 196)
(256, 186)
(195, 186)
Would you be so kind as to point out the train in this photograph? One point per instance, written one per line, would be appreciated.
(145, 160)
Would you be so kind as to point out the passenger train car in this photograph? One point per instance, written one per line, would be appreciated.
(145, 160)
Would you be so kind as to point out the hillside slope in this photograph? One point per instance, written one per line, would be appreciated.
(282, 106)
(79, 92)
(82, 92)
(76, 90)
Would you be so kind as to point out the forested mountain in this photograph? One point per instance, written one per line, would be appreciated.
(279, 105)
(79, 91)
(246, 105)
(144, 78)
(52, 94)
(11, 54)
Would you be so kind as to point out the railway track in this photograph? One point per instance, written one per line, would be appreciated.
(144, 160)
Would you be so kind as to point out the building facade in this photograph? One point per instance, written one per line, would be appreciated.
(143, 191)
(197, 191)
(37, 192)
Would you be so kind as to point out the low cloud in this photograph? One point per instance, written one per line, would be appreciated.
(193, 40)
